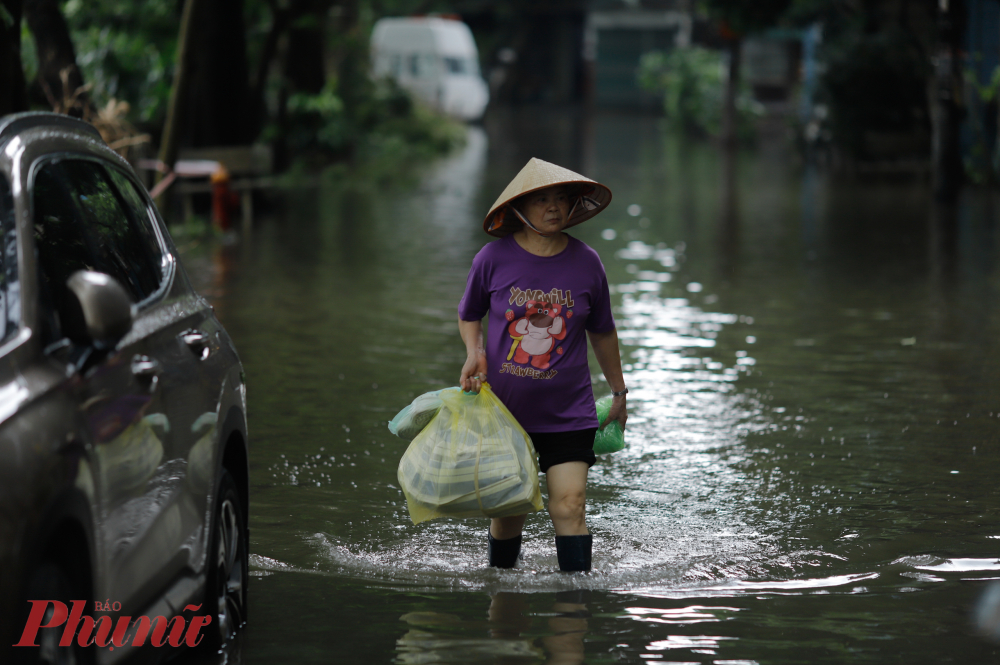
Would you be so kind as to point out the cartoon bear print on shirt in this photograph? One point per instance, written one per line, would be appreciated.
(536, 333)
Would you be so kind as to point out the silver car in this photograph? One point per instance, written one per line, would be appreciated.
(123, 438)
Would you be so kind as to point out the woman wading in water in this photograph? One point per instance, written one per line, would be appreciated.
(542, 289)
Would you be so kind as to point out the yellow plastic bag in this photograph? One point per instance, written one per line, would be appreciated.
(472, 459)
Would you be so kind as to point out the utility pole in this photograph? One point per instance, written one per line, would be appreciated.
(186, 52)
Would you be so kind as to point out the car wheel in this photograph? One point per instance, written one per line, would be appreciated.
(226, 595)
(48, 580)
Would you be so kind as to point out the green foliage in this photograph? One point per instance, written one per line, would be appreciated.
(125, 49)
(191, 232)
(383, 122)
(985, 92)
(692, 82)
(410, 139)
(29, 56)
(980, 166)
(315, 123)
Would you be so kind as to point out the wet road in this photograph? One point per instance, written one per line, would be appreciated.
(813, 449)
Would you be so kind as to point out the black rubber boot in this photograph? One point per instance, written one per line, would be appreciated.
(503, 553)
(574, 552)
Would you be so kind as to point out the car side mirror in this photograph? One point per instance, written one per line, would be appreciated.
(102, 308)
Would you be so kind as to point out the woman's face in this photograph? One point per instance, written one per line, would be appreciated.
(547, 209)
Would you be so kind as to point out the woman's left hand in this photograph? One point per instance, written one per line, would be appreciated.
(618, 411)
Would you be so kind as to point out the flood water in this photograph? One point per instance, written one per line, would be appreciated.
(811, 470)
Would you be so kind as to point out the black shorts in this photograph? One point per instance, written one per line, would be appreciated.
(559, 447)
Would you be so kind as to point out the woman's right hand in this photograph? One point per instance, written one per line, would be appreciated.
(474, 372)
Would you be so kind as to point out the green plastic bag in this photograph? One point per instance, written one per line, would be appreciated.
(611, 439)
(413, 417)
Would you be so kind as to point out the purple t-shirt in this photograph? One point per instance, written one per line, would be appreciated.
(536, 349)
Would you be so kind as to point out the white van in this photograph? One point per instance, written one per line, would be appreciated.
(435, 59)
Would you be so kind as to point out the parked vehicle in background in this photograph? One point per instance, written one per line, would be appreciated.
(123, 439)
(435, 59)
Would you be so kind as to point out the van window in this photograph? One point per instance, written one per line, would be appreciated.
(414, 62)
(461, 66)
(455, 66)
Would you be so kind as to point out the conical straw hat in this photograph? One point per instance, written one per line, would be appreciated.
(592, 197)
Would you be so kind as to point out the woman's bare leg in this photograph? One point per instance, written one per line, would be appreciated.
(503, 528)
(568, 498)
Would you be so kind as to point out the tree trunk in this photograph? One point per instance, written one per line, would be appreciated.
(352, 72)
(219, 107)
(58, 74)
(304, 59)
(258, 86)
(947, 106)
(729, 117)
(13, 93)
(279, 146)
(181, 84)
(280, 20)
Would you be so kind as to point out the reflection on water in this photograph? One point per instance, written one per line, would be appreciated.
(511, 629)
(812, 442)
(987, 613)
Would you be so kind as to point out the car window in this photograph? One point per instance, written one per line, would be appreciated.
(136, 205)
(10, 286)
(82, 222)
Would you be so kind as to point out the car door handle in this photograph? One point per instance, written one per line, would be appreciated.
(146, 368)
(198, 342)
